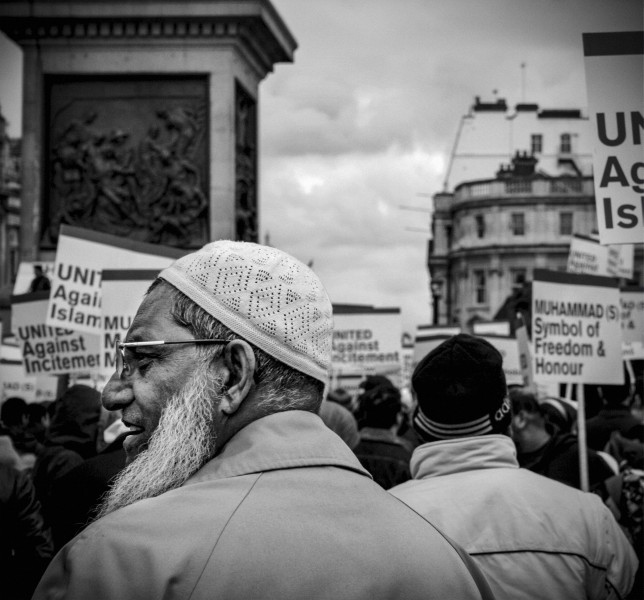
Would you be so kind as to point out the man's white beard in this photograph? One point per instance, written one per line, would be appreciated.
(182, 443)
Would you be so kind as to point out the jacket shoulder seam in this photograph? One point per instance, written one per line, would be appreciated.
(540, 551)
(223, 529)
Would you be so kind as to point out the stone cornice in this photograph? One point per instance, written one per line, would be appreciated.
(253, 24)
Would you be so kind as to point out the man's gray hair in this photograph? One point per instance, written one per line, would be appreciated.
(284, 388)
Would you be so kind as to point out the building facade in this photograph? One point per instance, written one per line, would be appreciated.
(9, 205)
(518, 187)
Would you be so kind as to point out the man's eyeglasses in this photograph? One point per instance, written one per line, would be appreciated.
(121, 363)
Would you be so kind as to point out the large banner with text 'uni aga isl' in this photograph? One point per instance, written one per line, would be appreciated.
(576, 329)
(81, 256)
(615, 84)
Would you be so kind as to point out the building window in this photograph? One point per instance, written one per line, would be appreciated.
(536, 143)
(517, 223)
(565, 223)
(566, 145)
(480, 293)
(480, 226)
(518, 277)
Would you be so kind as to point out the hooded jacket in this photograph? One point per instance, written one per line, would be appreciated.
(534, 538)
(284, 511)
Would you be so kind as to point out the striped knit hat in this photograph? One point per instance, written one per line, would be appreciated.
(461, 391)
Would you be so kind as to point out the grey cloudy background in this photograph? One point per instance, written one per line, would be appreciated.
(363, 121)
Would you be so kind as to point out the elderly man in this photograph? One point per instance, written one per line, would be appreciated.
(534, 538)
(234, 487)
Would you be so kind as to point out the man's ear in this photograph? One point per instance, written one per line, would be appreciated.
(519, 420)
(239, 360)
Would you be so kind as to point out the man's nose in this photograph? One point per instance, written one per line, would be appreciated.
(117, 394)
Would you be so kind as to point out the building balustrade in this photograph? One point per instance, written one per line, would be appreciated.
(533, 187)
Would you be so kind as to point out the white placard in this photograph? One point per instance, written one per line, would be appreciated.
(588, 256)
(632, 317)
(367, 342)
(614, 65)
(81, 256)
(576, 330)
(123, 292)
(429, 337)
(509, 349)
(14, 382)
(525, 352)
(50, 350)
(500, 328)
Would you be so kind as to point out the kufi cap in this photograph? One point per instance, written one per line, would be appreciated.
(265, 296)
(461, 390)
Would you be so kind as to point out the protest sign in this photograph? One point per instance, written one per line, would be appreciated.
(122, 293)
(50, 350)
(367, 340)
(407, 358)
(501, 328)
(15, 383)
(632, 318)
(576, 331)
(509, 349)
(615, 86)
(81, 256)
(626, 261)
(525, 352)
(429, 337)
(588, 256)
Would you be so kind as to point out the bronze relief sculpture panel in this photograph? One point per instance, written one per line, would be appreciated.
(128, 157)
(246, 226)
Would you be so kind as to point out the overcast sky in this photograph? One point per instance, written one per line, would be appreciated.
(362, 123)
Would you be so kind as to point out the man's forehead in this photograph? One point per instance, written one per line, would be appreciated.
(153, 319)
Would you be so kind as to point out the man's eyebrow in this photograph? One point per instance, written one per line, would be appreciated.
(134, 335)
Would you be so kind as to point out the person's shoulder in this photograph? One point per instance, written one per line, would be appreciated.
(206, 501)
(570, 499)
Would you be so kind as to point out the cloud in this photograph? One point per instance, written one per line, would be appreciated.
(365, 119)
(344, 213)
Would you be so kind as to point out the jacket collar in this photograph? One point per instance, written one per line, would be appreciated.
(463, 454)
(282, 440)
(375, 434)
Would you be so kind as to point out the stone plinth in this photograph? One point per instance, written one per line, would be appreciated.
(140, 117)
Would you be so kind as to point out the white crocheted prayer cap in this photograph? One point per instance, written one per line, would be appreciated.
(265, 296)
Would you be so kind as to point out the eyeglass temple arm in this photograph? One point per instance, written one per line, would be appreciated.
(164, 343)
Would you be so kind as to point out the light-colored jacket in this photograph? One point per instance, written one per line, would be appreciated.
(532, 537)
(285, 511)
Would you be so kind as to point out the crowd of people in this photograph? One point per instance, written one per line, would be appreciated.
(218, 463)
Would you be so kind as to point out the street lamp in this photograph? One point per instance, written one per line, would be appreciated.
(436, 287)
